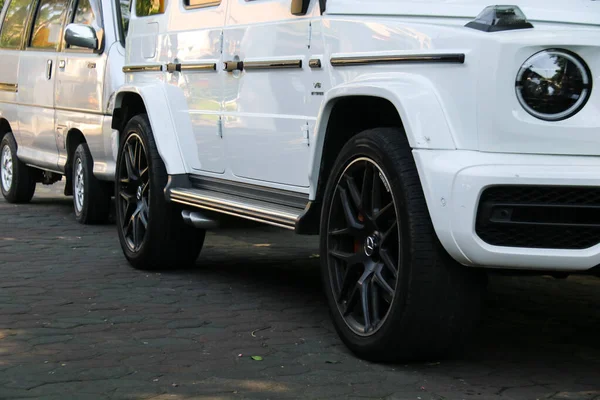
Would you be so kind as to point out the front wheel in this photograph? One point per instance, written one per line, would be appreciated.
(393, 291)
(151, 230)
(17, 180)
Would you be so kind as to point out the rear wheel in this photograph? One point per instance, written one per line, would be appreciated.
(17, 180)
(151, 230)
(91, 196)
(393, 291)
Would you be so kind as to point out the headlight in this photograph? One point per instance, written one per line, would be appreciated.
(554, 85)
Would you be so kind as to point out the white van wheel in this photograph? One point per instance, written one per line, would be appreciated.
(91, 196)
(17, 180)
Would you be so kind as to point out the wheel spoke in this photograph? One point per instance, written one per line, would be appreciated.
(349, 258)
(389, 232)
(340, 232)
(347, 281)
(352, 301)
(136, 228)
(367, 188)
(349, 214)
(144, 214)
(354, 193)
(388, 292)
(388, 263)
(364, 284)
(128, 164)
(383, 211)
(375, 303)
(376, 193)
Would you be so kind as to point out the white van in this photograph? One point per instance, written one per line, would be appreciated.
(426, 141)
(61, 62)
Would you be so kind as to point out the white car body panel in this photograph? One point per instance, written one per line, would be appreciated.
(463, 120)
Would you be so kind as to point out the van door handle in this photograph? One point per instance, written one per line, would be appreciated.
(231, 66)
(49, 70)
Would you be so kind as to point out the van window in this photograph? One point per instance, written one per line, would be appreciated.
(145, 8)
(13, 27)
(125, 14)
(48, 24)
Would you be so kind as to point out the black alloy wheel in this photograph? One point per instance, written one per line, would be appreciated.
(363, 246)
(133, 189)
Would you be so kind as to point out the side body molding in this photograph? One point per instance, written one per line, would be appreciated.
(414, 97)
(169, 118)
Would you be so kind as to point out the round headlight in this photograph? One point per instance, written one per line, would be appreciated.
(554, 85)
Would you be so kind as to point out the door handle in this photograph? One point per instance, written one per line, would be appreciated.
(62, 64)
(231, 66)
(49, 70)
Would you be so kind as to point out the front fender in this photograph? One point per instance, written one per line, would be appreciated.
(167, 111)
(413, 96)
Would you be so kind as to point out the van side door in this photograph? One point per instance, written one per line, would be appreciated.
(37, 77)
(80, 83)
(12, 40)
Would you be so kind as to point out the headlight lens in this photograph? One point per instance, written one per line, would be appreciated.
(554, 85)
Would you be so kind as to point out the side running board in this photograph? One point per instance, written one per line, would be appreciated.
(257, 210)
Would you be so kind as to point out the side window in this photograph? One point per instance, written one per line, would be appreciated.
(125, 7)
(48, 24)
(144, 8)
(200, 3)
(13, 27)
(87, 13)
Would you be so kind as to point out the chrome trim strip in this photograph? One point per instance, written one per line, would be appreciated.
(77, 110)
(314, 63)
(279, 64)
(9, 87)
(142, 68)
(199, 67)
(235, 208)
(404, 58)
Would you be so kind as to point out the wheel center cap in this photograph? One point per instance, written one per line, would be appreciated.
(139, 193)
(370, 245)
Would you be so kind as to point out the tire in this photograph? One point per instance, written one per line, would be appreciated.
(382, 247)
(157, 237)
(91, 196)
(17, 180)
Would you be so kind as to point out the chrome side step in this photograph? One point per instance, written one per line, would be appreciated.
(256, 210)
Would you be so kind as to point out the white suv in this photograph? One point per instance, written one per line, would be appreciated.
(423, 140)
(61, 63)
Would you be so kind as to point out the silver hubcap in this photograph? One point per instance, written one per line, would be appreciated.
(6, 165)
(79, 191)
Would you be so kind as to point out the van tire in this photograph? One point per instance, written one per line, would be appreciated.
(430, 304)
(22, 178)
(91, 196)
(167, 242)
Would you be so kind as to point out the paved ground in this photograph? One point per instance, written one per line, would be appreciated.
(77, 323)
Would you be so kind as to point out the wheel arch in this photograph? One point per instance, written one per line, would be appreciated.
(4, 127)
(170, 134)
(406, 102)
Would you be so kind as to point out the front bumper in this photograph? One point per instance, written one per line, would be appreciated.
(454, 180)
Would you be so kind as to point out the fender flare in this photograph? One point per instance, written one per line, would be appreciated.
(166, 108)
(416, 101)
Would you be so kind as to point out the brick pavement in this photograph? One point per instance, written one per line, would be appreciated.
(76, 322)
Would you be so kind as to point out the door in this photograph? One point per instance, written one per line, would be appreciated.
(79, 83)
(11, 43)
(194, 42)
(37, 70)
(268, 113)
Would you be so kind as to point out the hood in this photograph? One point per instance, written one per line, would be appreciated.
(570, 11)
